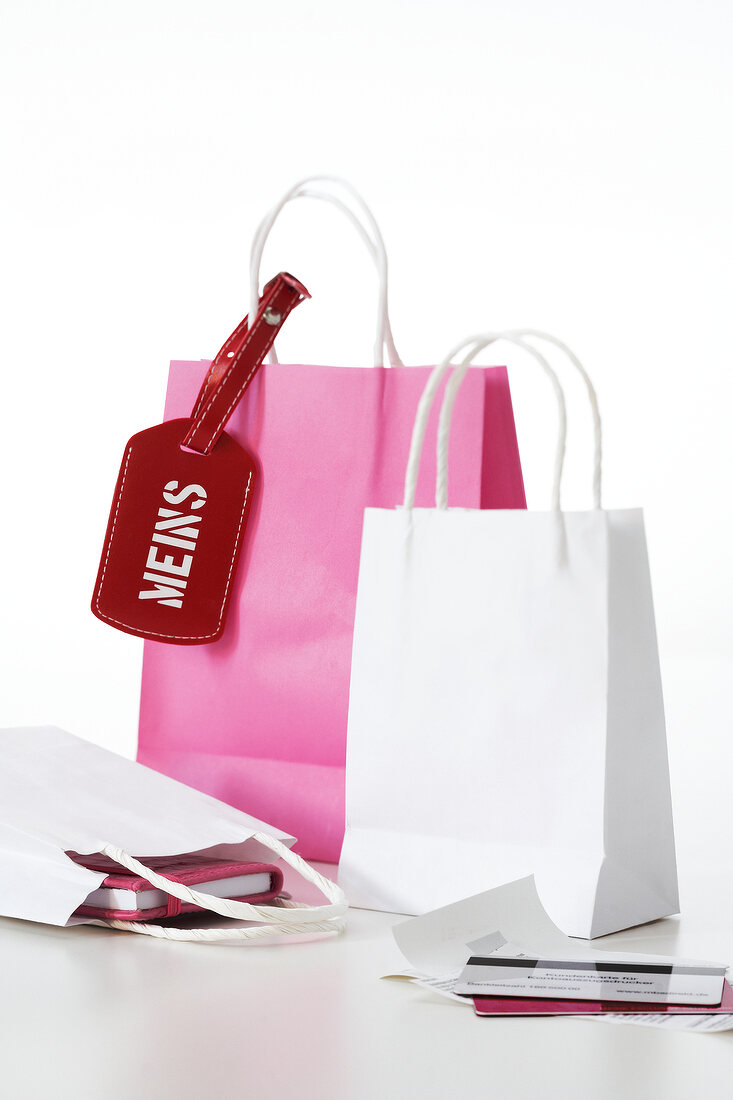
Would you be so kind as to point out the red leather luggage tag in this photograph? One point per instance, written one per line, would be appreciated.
(182, 500)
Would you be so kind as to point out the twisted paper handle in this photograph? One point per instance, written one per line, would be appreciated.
(318, 920)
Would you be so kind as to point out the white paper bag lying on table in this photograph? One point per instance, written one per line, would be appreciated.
(506, 712)
(59, 793)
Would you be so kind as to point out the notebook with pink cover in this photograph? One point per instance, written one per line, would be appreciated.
(126, 896)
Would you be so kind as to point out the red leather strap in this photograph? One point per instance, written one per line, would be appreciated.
(238, 360)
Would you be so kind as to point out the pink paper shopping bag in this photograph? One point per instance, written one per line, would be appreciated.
(258, 718)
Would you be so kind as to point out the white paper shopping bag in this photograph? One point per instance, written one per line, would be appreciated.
(59, 793)
(506, 712)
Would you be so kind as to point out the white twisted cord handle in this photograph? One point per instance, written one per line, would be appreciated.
(374, 243)
(446, 412)
(268, 933)
(322, 919)
(475, 343)
(374, 252)
(592, 399)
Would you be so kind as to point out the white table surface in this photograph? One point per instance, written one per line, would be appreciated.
(91, 1013)
(87, 1012)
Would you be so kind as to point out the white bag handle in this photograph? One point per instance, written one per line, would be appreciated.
(513, 335)
(308, 188)
(475, 344)
(375, 251)
(592, 400)
(479, 342)
(278, 919)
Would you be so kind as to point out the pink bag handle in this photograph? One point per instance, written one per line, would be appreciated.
(278, 922)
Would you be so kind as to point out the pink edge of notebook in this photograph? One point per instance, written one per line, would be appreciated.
(516, 1006)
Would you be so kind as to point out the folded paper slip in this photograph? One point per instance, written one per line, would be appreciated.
(127, 896)
(567, 979)
(518, 1006)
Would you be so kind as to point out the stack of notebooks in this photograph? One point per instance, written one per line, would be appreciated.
(126, 896)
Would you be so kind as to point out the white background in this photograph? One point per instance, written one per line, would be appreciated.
(564, 166)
